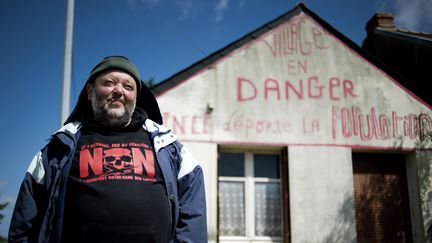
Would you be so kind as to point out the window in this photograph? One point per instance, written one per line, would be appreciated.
(250, 201)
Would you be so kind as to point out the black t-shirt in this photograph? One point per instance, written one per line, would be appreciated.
(115, 190)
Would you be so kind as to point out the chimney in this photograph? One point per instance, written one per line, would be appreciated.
(380, 20)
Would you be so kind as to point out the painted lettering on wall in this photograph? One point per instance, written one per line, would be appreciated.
(299, 36)
(312, 87)
(348, 122)
(241, 124)
(193, 124)
(310, 126)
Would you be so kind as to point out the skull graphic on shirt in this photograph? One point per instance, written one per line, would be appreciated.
(118, 161)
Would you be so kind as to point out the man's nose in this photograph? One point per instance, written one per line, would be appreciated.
(118, 91)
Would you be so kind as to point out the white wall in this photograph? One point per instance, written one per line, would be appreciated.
(321, 194)
(424, 170)
(206, 154)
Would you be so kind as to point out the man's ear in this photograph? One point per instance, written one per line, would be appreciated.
(89, 89)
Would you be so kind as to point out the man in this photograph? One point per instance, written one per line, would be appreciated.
(112, 173)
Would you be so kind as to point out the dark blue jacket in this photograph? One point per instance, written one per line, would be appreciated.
(38, 213)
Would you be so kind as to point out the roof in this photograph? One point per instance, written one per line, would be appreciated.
(423, 35)
(422, 38)
(383, 22)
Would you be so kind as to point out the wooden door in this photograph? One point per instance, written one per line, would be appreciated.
(381, 198)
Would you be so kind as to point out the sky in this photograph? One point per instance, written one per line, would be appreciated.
(162, 37)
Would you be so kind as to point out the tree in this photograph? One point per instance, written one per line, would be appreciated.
(2, 206)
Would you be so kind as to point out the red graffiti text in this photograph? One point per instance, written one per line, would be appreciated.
(194, 124)
(238, 123)
(297, 37)
(352, 122)
(312, 87)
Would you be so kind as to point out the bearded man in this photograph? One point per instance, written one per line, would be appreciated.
(113, 173)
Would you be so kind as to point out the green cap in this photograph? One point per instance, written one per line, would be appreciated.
(116, 62)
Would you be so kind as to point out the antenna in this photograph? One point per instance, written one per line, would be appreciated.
(67, 64)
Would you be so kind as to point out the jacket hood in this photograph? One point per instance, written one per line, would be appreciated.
(145, 100)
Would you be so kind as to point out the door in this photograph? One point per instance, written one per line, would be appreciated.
(381, 198)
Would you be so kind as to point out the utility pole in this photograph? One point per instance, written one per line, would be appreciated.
(67, 63)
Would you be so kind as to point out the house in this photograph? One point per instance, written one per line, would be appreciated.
(405, 52)
(304, 137)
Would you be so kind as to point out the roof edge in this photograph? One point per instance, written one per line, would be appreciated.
(212, 58)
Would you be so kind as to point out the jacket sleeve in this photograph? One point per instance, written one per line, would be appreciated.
(192, 223)
(27, 216)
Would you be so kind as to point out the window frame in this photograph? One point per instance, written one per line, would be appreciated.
(249, 186)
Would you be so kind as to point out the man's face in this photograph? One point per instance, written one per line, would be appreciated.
(113, 98)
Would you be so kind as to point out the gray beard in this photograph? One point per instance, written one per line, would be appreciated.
(107, 118)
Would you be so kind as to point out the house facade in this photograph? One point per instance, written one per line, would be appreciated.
(304, 137)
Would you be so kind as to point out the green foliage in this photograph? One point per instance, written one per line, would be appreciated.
(2, 206)
(3, 239)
